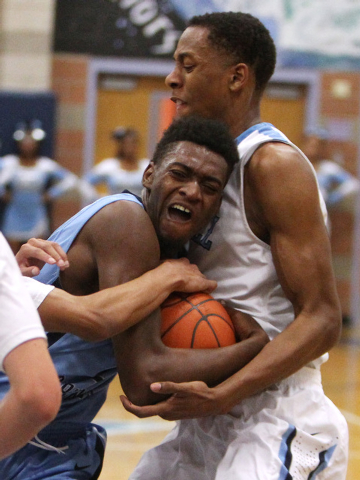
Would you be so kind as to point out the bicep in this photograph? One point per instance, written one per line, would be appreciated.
(299, 241)
(124, 249)
(124, 244)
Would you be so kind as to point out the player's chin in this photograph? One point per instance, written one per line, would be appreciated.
(177, 234)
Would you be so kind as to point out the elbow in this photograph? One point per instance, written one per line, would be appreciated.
(333, 331)
(136, 385)
(330, 329)
(139, 393)
(262, 339)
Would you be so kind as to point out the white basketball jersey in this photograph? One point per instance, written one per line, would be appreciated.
(240, 262)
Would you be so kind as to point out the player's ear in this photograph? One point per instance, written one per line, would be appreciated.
(148, 175)
(238, 76)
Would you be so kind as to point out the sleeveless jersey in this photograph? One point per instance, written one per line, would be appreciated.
(246, 274)
(85, 368)
(26, 214)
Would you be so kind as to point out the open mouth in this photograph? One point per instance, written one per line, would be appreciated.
(179, 103)
(179, 213)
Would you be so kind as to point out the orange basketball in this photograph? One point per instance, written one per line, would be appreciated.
(195, 320)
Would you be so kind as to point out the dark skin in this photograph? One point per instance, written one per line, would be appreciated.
(120, 243)
(282, 209)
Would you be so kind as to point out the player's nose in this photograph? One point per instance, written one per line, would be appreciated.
(192, 190)
(173, 80)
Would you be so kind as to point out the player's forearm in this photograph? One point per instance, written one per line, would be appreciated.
(20, 421)
(123, 306)
(305, 340)
(151, 362)
(34, 397)
(109, 312)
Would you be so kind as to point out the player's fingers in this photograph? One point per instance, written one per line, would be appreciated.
(29, 271)
(57, 252)
(141, 412)
(210, 286)
(48, 252)
(167, 388)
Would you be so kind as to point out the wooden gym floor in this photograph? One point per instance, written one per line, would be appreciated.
(129, 437)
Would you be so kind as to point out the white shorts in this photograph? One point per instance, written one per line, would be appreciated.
(291, 431)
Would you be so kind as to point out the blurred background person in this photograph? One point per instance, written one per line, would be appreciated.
(125, 170)
(29, 185)
(338, 187)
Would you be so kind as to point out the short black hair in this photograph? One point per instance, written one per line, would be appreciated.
(243, 37)
(212, 134)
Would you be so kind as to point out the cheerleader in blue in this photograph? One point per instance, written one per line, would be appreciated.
(29, 184)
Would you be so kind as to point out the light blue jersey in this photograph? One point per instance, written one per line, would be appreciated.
(85, 368)
(26, 213)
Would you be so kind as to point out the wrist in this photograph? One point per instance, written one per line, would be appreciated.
(171, 277)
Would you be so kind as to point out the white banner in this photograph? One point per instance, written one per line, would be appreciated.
(310, 27)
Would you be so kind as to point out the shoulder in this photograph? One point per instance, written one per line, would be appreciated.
(9, 160)
(121, 222)
(107, 164)
(47, 163)
(121, 237)
(280, 178)
(276, 160)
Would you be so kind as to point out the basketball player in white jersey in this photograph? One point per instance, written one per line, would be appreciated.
(270, 254)
(34, 397)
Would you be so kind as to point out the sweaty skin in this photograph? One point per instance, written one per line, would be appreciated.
(121, 243)
(282, 209)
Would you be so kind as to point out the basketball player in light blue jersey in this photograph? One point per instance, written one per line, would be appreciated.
(110, 242)
(270, 254)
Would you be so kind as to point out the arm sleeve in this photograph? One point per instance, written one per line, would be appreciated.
(38, 291)
(20, 321)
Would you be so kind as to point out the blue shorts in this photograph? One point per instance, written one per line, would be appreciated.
(49, 457)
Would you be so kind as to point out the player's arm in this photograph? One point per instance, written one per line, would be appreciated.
(109, 312)
(284, 188)
(301, 252)
(34, 397)
(129, 249)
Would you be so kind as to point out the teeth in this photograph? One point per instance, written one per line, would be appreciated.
(181, 208)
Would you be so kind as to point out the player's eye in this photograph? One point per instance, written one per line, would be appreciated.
(188, 68)
(211, 188)
(179, 174)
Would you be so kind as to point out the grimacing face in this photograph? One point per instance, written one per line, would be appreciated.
(200, 78)
(184, 191)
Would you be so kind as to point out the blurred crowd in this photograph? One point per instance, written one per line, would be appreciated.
(31, 183)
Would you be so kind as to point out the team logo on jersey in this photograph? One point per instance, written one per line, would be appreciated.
(203, 239)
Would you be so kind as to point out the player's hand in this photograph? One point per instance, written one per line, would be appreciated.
(188, 276)
(33, 255)
(188, 400)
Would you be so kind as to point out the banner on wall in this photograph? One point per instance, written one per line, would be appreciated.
(122, 28)
(308, 33)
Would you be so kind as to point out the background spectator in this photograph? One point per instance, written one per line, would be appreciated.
(125, 169)
(339, 187)
(29, 184)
